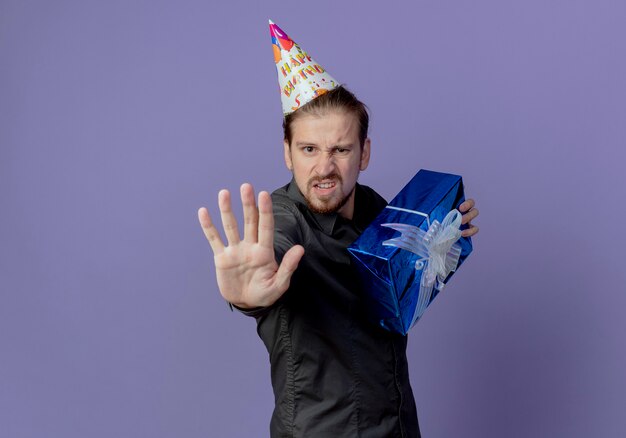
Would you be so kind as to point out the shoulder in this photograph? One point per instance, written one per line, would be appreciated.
(368, 199)
(280, 196)
(367, 205)
(371, 195)
(282, 202)
(287, 217)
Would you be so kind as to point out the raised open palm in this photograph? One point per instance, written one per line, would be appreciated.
(246, 270)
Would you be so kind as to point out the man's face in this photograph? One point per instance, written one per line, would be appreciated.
(325, 157)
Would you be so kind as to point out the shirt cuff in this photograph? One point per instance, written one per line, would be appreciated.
(253, 312)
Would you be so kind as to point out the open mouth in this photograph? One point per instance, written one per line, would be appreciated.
(325, 185)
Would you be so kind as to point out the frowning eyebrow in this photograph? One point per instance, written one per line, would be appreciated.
(308, 143)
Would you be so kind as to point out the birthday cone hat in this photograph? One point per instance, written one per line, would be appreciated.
(300, 78)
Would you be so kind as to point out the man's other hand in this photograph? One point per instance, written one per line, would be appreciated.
(469, 213)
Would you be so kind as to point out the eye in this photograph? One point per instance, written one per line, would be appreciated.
(342, 151)
(308, 149)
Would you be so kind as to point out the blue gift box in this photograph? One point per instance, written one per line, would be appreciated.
(408, 253)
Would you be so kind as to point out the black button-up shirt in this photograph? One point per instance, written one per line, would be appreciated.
(335, 373)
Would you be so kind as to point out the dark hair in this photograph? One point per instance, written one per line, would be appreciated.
(339, 98)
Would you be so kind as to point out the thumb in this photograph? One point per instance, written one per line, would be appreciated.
(288, 266)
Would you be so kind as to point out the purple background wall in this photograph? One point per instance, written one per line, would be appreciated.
(119, 119)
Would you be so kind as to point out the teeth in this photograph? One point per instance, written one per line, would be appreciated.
(326, 185)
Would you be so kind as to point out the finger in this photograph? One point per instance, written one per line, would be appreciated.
(467, 205)
(266, 220)
(472, 230)
(288, 266)
(211, 233)
(229, 222)
(471, 215)
(250, 214)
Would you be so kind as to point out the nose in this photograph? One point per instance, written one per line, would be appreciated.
(326, 164)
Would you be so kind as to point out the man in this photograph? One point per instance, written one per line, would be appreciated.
(334, 372)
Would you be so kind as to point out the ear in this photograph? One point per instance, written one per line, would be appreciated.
(365, 154)
(287, 152)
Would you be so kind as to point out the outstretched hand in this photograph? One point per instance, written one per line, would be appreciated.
(247, 272)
